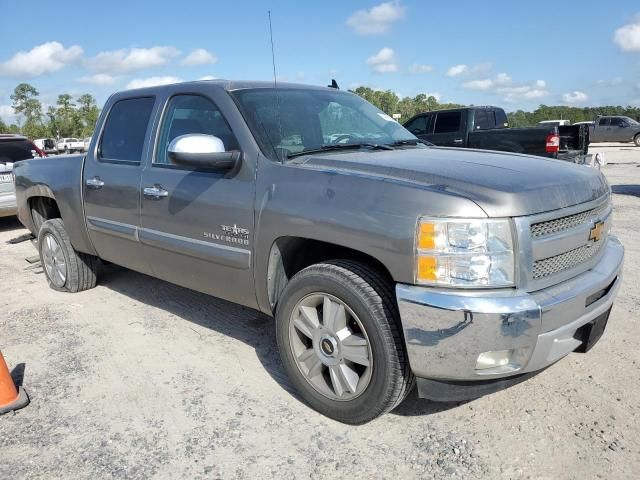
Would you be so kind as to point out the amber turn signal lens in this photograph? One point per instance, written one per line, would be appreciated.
(427, 237)
(427, 268)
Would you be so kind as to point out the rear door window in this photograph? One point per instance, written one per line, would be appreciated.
(125, 130)
(603, 122)
(12, 151)
(483, 120)
(448, 122)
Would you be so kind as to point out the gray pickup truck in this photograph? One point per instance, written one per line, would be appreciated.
(615, 129)
(385, 262)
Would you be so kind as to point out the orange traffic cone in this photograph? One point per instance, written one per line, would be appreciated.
(10, 397)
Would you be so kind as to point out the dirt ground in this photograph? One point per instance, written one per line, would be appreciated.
(140, 379)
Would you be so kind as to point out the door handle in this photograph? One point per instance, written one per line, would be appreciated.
(457, 140)
(95, 183)
(156, 192)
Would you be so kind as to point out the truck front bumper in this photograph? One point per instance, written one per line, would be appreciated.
(450, 334)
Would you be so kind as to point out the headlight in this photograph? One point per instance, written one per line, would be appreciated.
(465, 252)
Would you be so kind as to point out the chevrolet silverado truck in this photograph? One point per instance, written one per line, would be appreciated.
(385, 262)
(487, 128)
(615, 129)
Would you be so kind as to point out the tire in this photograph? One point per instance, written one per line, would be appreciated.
(80, 268)
(372, 317)
(636, 140)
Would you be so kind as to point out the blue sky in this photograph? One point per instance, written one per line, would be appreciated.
(513, 54)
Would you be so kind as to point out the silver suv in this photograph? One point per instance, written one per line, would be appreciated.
(13, 148)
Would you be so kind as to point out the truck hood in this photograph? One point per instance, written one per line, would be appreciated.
(502, 184)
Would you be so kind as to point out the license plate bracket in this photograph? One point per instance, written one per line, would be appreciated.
(590, 333)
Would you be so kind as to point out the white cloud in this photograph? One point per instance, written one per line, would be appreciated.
(98, 79)
(420, 68)
(152, 82)
(384, 61)
(610, 83)
(457, 70)
(627, 37)
(46, 58)
(132, 59)
(502, 79)
(484, 84)
(575, 97)
(199, 57)
(7, 114)
(208, 77)
(378, 19)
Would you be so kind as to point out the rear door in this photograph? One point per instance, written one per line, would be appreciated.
(111, 182)
(619, 130)
(197, 224)
(448, 129)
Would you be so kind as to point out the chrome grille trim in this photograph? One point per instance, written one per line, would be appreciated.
(550, 254)
(565, 261)
(550, 227)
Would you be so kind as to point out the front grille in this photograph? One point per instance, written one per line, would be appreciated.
(542, 229)
(565, 261)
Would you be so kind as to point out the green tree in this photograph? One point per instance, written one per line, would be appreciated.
(66, 116)
(26, 103)
(88, 114)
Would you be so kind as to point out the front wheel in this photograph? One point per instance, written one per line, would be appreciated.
(340, 341)
(66, 269)
(636, 140)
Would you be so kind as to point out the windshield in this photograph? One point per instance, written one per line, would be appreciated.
(289, 121)
(630, 121)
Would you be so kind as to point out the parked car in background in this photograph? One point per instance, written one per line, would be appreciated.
(13, 149)
(70, 145)
(554, 123)
(87, 142)
(47, 145)
(615, 129)
(382, 260)
(487, 128)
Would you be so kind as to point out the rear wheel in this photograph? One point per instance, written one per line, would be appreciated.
(636, 140)
(66, 269)
(340, 341)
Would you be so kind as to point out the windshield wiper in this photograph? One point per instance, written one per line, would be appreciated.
(410, 141)
(340, 146)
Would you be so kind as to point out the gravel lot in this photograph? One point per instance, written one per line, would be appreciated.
(141, 379)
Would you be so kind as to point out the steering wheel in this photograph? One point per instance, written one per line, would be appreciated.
(341, 138)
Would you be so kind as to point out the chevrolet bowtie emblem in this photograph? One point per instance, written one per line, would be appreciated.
(596, 231)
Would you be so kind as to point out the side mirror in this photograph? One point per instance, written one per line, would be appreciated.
(202, 151)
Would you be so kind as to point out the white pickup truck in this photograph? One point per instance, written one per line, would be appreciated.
(68, 145)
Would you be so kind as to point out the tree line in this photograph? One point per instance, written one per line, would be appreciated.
(407, 107)
(69, 117)
(77, 117)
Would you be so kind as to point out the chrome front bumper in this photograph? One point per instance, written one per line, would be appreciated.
(446, 330)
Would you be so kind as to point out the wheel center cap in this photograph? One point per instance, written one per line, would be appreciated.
(328, 346)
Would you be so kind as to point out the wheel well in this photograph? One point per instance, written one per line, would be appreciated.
(289, 255)
(45, 206)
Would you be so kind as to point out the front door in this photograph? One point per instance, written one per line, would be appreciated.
(111, 182)
(197, 224)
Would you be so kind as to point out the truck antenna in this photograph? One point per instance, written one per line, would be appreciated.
(273, 55)
(275, 86)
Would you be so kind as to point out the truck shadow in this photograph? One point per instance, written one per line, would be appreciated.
(241, 323)
(632, 190)
(10, 223)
